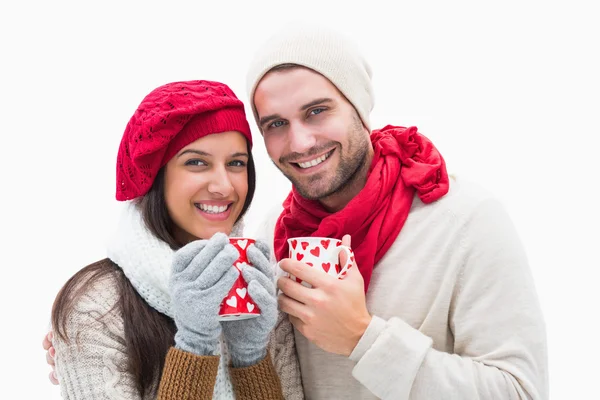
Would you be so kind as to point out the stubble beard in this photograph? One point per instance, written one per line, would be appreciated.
(348, 169)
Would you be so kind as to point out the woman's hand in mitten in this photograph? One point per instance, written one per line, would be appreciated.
(202, 275)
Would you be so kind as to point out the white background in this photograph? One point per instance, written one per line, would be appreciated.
(508, 91)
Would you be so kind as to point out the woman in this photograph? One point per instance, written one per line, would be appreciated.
(142, 323)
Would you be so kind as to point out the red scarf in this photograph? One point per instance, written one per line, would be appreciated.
(404, 162)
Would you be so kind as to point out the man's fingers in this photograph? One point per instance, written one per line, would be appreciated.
(53, 378)
(293, 289)
(297, 323)
(343, 255)
(50, 358)
(292, 307)
(347, 240)
(47, 342)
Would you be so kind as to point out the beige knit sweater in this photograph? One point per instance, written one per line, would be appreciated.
(92, 365)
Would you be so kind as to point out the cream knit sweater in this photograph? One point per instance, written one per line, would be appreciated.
(455, 313)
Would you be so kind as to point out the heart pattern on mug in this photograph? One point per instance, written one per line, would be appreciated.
(238, 300)
(232, 301)
(319, 252)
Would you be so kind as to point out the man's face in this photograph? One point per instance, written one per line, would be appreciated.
(312, 133)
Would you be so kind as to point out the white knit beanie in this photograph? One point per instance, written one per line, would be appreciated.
(325, 51)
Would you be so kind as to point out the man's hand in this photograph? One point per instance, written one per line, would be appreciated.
(333, 313)
(50, 352)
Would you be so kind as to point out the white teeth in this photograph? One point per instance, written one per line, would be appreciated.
(212, 209)
(314, 162)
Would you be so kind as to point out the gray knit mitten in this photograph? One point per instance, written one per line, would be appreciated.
(202, 276)
(247, 339)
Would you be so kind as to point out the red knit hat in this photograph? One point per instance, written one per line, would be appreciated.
(168, 119)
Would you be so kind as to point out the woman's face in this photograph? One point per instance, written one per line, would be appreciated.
(206, 184)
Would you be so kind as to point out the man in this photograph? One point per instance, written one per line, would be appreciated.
(450, 310)
(441, 303)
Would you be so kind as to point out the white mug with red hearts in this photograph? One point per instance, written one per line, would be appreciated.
(321, 253)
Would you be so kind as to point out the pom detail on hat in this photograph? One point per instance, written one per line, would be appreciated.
(168, 119)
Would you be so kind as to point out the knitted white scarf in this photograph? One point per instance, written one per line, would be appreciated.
(145, 259)
(146, 262)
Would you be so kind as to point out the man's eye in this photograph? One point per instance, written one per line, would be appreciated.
(316, 111)
(276, 124)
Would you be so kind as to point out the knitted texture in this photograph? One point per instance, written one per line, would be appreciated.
(323, 50)
(145, 260)
(188, 376)
(256, 382)
(90, 364)
(168, 119)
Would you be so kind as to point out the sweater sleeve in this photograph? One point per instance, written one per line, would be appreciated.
(257, 382)
(495, 318)
(91, 362)
(188, 376)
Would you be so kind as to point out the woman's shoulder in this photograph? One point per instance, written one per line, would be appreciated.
(90, 298)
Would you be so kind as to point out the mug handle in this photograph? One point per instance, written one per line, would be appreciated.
(348, 264)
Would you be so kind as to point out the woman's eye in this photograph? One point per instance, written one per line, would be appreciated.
(237, 163)
(195, 162)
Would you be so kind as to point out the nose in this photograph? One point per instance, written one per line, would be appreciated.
(301, 138)
(220, 182)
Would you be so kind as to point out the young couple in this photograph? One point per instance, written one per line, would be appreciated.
(440, 302)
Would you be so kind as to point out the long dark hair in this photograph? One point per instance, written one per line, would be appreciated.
(148, 333)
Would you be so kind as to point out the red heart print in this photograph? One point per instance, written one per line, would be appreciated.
(294, 244)
(299, 256)
(326, 266)
(352, 258)
(316, 251)
(304, 245)
(311, 264)
(337, 268)
(338, 244)
(325, 243)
